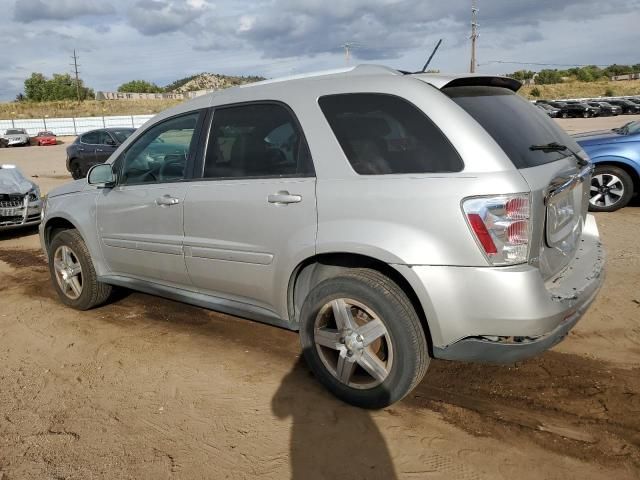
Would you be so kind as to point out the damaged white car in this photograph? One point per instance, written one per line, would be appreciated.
(20, 203)
(17, 137)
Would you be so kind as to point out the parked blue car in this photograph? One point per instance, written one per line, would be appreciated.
(616, 155)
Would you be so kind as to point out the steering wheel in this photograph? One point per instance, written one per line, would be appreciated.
(170, 163)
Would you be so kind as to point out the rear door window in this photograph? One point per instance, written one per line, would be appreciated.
(385, 134)
(256, 140)
(514, 123)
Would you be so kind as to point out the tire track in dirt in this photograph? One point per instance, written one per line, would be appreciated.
(581, 407)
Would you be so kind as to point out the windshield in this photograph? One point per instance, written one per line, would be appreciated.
(514, 123)
(122, 135)
(630, 128)
(14, 132)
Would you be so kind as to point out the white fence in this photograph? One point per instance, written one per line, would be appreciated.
(73, 126)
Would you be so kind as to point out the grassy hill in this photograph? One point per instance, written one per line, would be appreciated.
(88, 108)
(577, 89)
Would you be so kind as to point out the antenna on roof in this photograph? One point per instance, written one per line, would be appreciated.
(424, 69)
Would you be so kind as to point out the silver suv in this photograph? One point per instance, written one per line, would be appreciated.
(387, 217)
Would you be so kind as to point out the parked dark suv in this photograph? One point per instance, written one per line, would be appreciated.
(94, 147)
(606, 109)
(628, 107)
(578, 110)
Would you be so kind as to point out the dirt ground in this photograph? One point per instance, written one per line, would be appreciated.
(148, 388)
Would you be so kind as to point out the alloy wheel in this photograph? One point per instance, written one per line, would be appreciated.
(353, 343)
(68, 272)
(606, 190)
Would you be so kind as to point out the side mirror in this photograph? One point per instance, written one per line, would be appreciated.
(102, 176)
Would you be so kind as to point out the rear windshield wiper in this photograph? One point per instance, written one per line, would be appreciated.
(550, 147)
(558, 147)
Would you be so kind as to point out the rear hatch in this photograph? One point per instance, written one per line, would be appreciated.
(558, 175)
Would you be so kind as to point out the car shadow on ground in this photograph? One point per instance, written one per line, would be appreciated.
(14, 233)
(329, 439)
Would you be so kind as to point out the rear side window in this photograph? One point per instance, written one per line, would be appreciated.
(384, 134)
(91, 138)
(514, 123)
(257, 140)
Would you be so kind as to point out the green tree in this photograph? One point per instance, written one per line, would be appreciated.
(535, 92)
(35, 87)
(546, 77)
(139, 86)
(522, 75)
(38, 88)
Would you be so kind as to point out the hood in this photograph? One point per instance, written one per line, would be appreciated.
(600, 137)
(14, 135)
(12, 182)
(70, 187)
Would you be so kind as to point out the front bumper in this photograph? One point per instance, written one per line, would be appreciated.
(17, 141)
(506, 314)
(28, 214)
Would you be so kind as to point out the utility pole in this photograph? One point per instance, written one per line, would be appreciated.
(75, 68)
(348, 46)
(474, 34)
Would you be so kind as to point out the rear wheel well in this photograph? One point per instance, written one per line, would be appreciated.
(321, 267)
(55, 226)
(635, 176)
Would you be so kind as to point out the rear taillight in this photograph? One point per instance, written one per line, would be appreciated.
(501, 226)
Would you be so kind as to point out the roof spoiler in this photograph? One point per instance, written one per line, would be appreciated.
(482, 81)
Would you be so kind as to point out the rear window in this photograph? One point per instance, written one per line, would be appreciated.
(514, 123)
(384, 134)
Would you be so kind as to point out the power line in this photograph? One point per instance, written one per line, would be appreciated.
(75, 67)
(474, 34)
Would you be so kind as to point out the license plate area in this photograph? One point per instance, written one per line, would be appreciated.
(564, 215)
(10, 212)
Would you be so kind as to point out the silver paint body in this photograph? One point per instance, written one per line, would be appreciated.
(224, 246)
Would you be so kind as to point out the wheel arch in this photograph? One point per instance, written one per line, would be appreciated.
(55, 225)
(623, 163)
(313, 270)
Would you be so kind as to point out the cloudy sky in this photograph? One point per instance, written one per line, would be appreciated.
(163, 40)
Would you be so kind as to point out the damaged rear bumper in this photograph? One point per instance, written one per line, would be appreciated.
(502, 315)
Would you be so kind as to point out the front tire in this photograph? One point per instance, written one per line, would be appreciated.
(611, 189)
(73, 274)
(76, 171)
(362, 338)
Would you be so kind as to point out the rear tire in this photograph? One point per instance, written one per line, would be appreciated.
(611, 189)
(72, 272)
(380, 355)
(564, 115)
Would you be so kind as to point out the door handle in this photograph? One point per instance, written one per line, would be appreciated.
(284, 198)
(99, 150)
(167, 200)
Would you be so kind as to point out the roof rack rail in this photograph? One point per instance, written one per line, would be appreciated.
(363, 69)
